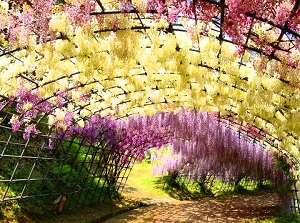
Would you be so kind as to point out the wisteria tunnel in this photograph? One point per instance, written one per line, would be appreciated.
(88, 88)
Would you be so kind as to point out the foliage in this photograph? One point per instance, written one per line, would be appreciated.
(183, 188)
(288, 169)
(286, 218)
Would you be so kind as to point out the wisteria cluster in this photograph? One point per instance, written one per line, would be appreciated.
(28, 105)
(130, 137)
(200, 72)
(26, 18)
(34, 16)
(203, 145)
(80, 13)
(124, 138)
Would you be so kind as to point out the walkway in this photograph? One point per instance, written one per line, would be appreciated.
(242, 208)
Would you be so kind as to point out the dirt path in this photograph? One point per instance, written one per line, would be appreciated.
(242, 208)
(163, 208)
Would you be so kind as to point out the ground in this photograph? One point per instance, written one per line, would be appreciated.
(242, 208)
(232, 208)
(145, 200)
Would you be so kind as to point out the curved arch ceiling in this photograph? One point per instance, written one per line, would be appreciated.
(236, 58)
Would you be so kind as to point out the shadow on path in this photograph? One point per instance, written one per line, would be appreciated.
(235, 208)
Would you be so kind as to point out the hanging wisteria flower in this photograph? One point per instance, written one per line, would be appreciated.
(2, 105)
(203, 145)
(30, 103)
(51, 141)
(30, 131)
(80, 12)
(15, 123)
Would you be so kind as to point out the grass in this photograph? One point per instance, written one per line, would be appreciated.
(141, 180)
(280, 217)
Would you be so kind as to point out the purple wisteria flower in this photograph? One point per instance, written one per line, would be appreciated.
(51, 141)
(16, 124)
(30, 131)
(202, 144)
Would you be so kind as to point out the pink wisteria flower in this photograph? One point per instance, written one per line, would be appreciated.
(30, 131)
(80, 12)
(16, 124)
(173, 14)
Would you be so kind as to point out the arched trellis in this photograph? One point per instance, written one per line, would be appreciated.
(206, 73)
(88, 165)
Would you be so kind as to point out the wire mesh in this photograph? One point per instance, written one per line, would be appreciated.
(82, 172)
